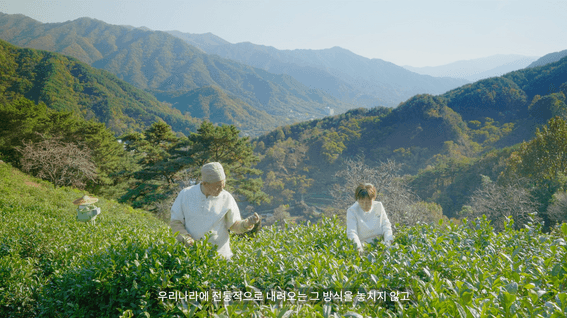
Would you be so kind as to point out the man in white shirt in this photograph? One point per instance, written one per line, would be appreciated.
(367, 219)
(207, 207)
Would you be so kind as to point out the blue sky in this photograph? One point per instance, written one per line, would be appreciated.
(416, 33)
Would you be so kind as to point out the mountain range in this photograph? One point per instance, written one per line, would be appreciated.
(273, 86)
(160, 62)
(161, 77)
(345, 75)
(424, 133)
(549, 58)
(477, 69)
(66, 84)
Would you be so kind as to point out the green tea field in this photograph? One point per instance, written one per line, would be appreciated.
(128, 264)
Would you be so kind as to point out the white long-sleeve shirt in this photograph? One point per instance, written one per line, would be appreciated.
(201, 214)
(365, 226)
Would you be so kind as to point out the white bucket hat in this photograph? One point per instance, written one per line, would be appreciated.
(212, 172)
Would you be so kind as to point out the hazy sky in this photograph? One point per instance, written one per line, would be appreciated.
(416, 33)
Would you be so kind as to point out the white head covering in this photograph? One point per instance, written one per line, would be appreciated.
(212, 172)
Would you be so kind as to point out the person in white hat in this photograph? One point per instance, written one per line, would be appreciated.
(207, 207)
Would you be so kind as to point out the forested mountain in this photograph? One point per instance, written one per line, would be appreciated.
(61, 120)
(213, 104)
(160, 61)
(444, 142)
(66, 84)
(337, 71)
(549, 58)
(446, 134)
(201, 41)
(477, 69)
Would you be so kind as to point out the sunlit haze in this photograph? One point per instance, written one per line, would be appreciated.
(416, 33)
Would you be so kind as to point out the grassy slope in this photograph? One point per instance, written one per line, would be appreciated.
(54, 266)
(40, 238)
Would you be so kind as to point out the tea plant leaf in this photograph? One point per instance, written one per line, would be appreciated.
(327, 310)
(426, 271)
(512, 288)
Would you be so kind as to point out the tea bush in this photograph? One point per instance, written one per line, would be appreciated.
(40, 238)
(53, 266)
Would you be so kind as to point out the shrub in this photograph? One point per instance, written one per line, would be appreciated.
(498, 202)
(63, 164)
(557, 210)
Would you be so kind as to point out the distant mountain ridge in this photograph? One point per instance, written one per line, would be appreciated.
(477, 69)
(155, 60)
(349, 77)
(549, 58)
(200, 40)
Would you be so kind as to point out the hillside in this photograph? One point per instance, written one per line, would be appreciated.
(41, 242)
(201, 41)
(499, 98)
(66, 84)
(425, 131)
(213, 104)
(159, 61)
(477, 69)
(549, 58)
(541, 80)
(128, 264)
(337, 71)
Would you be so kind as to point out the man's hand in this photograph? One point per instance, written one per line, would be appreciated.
(245, 225)
(251, 220)
(186, 240)
(182, 235)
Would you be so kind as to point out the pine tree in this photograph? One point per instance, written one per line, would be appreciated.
(223, 144)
